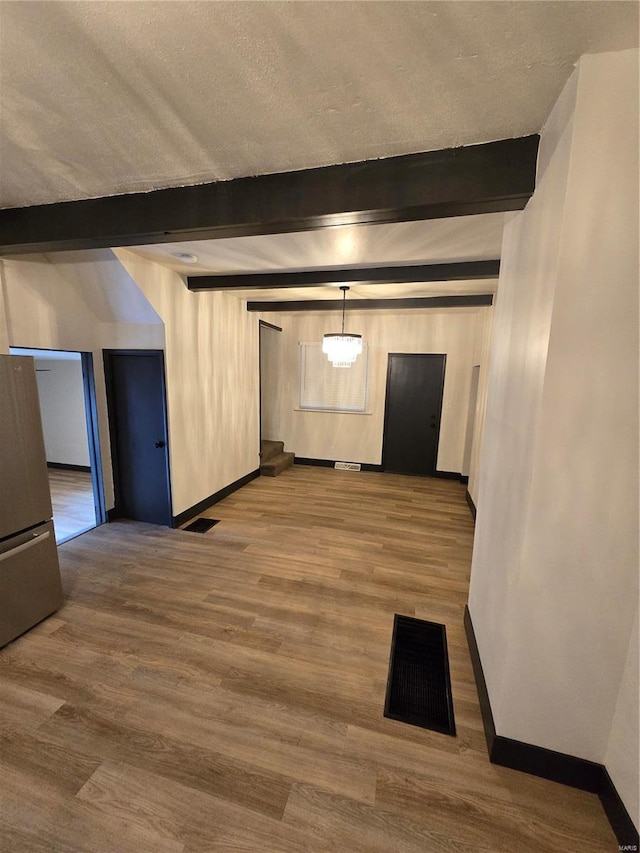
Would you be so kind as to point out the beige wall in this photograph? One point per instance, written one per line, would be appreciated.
(554, 582)
(211, 352)
(46, 310)
(358, 437)
(212, 382)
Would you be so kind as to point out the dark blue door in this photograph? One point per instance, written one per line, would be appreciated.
(138, 421)
(413, 410)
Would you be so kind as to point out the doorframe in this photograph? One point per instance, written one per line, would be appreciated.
(93, 432)
(262, 324)
(107, 355)
(95, 455)
(392, 355)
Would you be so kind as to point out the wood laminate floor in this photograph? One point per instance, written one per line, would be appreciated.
(224, 692)
(72, 499)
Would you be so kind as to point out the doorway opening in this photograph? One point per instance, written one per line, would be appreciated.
(66, 393)
(471, 419)
(269, 379)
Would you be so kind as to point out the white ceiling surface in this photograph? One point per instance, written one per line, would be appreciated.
(458, 238)
(106, 98)
(463, 238)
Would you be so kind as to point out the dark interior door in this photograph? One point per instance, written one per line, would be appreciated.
(137, 415)
(412, 416)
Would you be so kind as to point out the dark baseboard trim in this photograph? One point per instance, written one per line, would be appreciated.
(63, 466)
(320, 463)
(481, 684)
(472, 506)
(330, 463)
(451, 475)
(546, 763)
(366, 466)
(617, 814)
(194, 510)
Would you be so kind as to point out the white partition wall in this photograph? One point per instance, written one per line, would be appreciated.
(554, 582)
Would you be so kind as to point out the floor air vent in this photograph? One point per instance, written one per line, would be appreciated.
(201, 525)
(419, 686)
(347, 466)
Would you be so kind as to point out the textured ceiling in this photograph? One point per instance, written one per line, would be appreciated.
(99, 98)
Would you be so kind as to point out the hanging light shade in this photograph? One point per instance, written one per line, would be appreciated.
(342, 350)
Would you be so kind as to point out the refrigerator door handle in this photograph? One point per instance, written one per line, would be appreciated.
(37, 538)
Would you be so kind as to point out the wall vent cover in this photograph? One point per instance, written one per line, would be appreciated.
(347, 466)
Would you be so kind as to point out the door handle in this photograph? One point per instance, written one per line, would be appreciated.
(36, 539)
(160, 444)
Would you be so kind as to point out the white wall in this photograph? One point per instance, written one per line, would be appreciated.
(554, 582)
(64, 422)
(357, 437)
(212, 382)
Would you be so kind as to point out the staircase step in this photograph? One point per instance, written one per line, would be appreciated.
(270, 449)
(277, 464)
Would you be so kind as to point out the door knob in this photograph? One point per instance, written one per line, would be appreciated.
(160, 444)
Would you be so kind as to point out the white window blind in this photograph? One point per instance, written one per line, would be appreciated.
(338, 389)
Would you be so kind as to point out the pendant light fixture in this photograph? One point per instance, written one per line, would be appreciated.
(342, 350)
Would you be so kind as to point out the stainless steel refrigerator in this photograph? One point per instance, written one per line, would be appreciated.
(30, 587)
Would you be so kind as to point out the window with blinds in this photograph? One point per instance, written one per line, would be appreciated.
(329, 388)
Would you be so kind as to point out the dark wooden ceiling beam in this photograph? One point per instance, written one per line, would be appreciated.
(487, 178)
(467, 301)
(462, 271)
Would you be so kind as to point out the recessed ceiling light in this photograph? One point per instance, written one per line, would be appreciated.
(185, 257)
